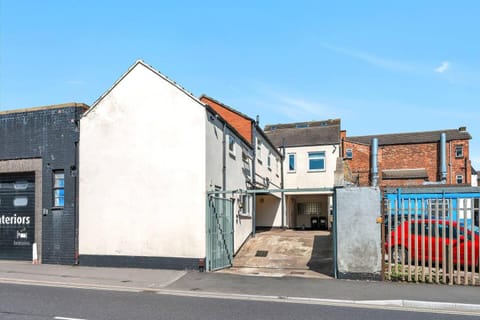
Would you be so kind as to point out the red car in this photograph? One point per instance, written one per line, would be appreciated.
(424, 246)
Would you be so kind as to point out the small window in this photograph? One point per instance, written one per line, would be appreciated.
(348, 154)
(459, 179)
(259, 150)
(459, 151)
(292, 166)
(231, 145)
(301, 125)
(269, 161)
(245, 157)
(245, 204)
(59, 189)
(316, 161)
(20, 202)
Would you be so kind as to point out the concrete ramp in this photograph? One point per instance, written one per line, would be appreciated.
(286, 253)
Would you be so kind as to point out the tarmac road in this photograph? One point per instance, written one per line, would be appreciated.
(25, 302)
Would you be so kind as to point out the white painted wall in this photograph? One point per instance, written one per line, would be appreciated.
(264, 150)
(142, 171)
(237, 172)
(302, 177)
(269, 211)
(474, 180)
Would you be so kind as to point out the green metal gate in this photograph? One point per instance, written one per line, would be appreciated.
(219, 233)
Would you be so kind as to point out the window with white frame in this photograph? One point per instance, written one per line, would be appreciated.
(349, 153)
(259, 150)
(459, 151)
(292, 163)
(59, 189)
(231, 145)
(244, 204)
(459, 179)
(316, 161)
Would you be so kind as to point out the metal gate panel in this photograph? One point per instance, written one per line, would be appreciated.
(432, 236)
(219, 233)
(17, 216)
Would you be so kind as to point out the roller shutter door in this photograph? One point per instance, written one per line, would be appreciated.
(17, 216)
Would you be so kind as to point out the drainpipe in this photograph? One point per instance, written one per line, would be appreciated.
(254, 177)
(443, 157)
(282, 185)
(224, 160)
(374, 162)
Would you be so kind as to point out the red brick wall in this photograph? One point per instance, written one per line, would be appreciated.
(407, 156)
(242, 125)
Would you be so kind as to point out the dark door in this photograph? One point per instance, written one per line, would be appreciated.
(17, 216)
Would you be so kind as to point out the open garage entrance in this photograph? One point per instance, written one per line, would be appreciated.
(292, 234)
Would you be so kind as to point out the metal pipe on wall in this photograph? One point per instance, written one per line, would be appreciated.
(443, 158)
(374, 162)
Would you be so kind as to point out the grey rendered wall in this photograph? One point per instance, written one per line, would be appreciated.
(358, 235)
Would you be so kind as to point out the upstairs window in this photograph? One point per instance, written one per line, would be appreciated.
(316, 161)
(231, 145)
(59, 189)
(348, 154)
(292, 166)
(459, 179)
(269, 161)
(459, 151)
(259, 150)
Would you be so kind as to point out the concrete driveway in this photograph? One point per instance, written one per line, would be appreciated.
(286, 253)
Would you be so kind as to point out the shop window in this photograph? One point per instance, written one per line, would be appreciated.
(59, 189)
(316, 161)
(292, 165)
(459, 151)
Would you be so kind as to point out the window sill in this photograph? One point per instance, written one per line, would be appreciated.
(291, 171)
(244, 215)
(314, 171)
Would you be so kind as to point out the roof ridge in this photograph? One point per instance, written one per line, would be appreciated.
(149, 67)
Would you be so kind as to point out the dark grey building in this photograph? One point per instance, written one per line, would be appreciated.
(38, 183)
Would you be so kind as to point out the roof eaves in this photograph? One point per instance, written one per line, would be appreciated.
(231, 128)
(267, 139)
(226, 107)
(49, 107)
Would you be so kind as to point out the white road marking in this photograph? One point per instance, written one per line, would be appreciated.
(66, 318)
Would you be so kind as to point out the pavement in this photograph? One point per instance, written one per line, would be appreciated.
(365, 294)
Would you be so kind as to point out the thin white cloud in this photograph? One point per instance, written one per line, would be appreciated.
(372, 59)
(443, 67)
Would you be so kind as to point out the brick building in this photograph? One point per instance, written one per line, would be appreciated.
(406, 159)
(38, 182)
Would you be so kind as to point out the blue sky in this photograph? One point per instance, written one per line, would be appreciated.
(381, 67)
